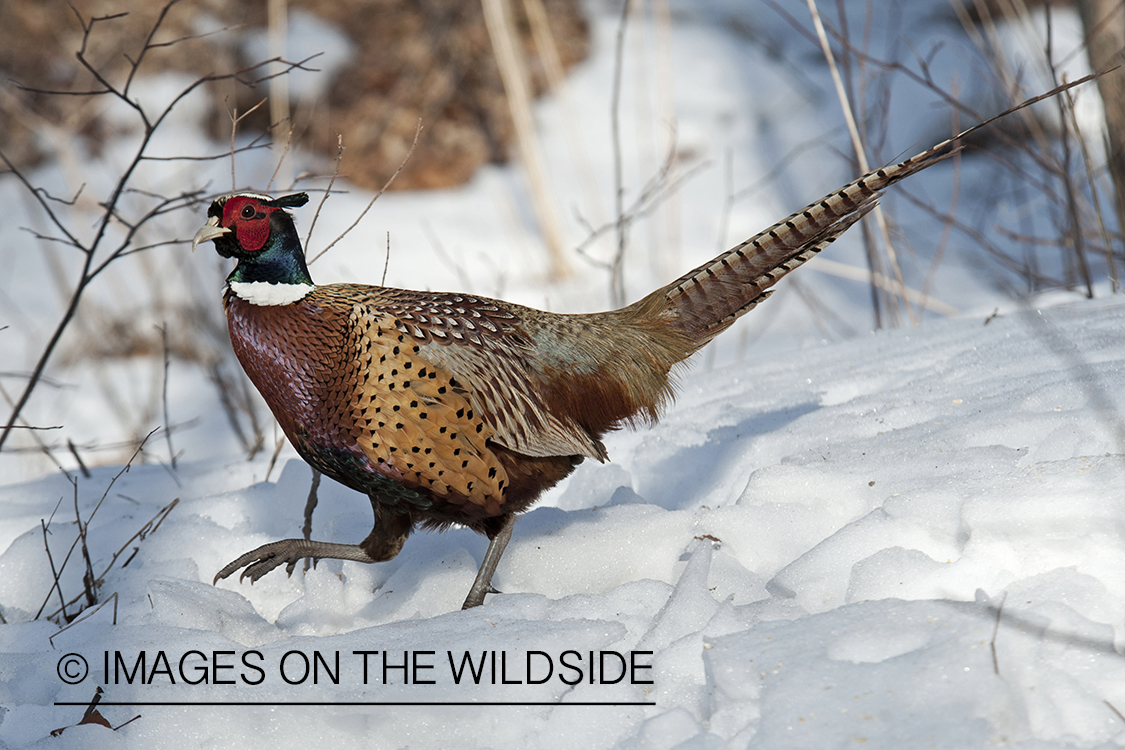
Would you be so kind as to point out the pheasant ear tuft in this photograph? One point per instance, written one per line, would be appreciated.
(296, 200)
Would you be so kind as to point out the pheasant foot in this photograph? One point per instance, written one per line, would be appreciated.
(262, 560)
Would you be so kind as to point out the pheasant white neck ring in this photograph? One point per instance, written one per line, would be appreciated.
(267, 294)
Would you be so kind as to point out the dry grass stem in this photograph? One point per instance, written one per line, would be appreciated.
(861, 156)
(513, 74)
(995, 632)
(1092, 179)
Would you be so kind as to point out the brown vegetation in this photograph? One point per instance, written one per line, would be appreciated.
(414, 60)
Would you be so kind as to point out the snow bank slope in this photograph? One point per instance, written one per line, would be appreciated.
(806, 552)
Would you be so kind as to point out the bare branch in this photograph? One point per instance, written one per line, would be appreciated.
(236, 118)
(417, 132)
(55, 572)
(861, 155)
(63, 201)
(1073, 119)
(300, 65)
(88, 270)
(658, 189)
(78, 458)
(147, 45)
(49, 238)
(164, 396)
(148, 528)
(284, 153)
(323, 198)
(55, 92)
(42, 200)
(258, 143)
(621, 224)
(996, 632)
(193, 37)
(386, 261)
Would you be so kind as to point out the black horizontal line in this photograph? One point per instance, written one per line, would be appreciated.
(357, 703)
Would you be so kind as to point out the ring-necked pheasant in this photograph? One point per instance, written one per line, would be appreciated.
(456, 409)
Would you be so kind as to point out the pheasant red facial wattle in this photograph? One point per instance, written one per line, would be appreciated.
(449, 408)
(250, 221)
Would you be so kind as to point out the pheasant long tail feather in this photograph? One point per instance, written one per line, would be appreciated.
(705, 301)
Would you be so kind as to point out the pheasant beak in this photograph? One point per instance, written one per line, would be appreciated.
(208, 231)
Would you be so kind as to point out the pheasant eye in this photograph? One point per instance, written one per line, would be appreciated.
(248, 211)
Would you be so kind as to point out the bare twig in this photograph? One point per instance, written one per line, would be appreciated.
(148, 528)
(276, 452)
(236, 118)
(995, 632)
(83, 524)
(42, 447)
(621, 224)
(1073, 211)
(728, 198)
(88, 574)
(552, 65)
(327, 192)
(277, 19)
(235, 403)
(36, 427)
(1109, 261)
(55, 573)
(86, 614)
(252, 415)
(386, 261)
(978, 237)
(861, 154)
(926, 80)
(90, 266)
(164, 396)
(391, 179)
(947, 225)
(920, 299)
(281, 159)
(659, 188)
(780, 166)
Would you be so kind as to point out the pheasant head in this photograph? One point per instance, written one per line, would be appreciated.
(259, 234)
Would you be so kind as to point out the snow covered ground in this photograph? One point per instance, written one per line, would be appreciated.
(910, 538)
(809, 552)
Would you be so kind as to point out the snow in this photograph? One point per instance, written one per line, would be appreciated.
(901, 538)
(865, 539)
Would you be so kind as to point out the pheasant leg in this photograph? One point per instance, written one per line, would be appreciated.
(483, 583)
(262, 560)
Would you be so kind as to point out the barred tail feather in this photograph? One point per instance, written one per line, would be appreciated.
(705, 301)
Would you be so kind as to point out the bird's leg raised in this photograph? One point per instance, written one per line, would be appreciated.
(387, 536)
(262, 560)
(483, 583)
